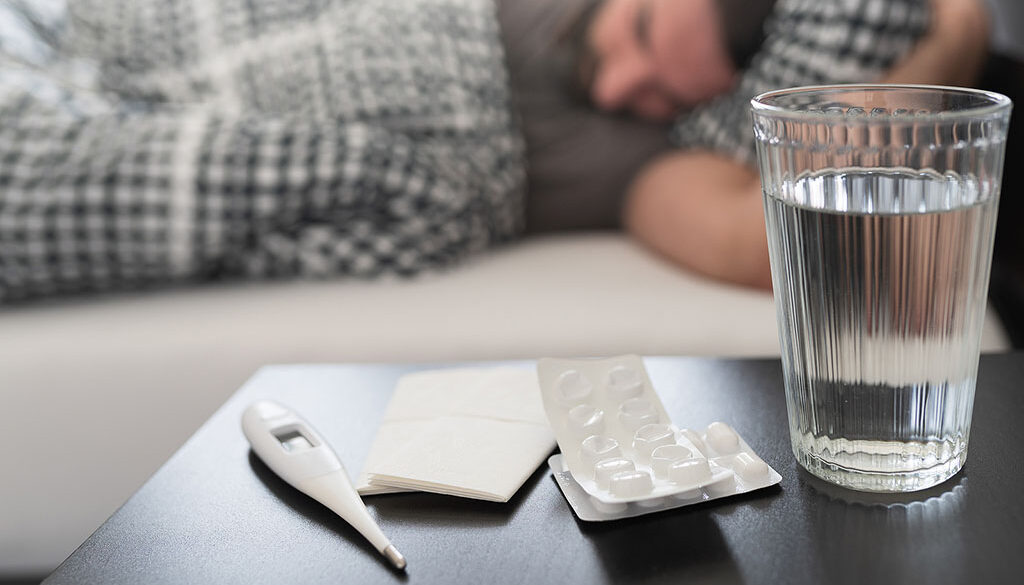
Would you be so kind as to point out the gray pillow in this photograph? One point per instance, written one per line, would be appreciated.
(579, 161)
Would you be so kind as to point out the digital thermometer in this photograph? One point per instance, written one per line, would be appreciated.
(293, 450)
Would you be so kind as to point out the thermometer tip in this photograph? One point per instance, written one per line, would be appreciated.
(396, 558)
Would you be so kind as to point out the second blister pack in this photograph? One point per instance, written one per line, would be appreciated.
(620, 447)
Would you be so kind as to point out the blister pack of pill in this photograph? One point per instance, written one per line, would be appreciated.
(621, 456)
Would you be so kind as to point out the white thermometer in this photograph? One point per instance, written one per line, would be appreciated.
(297, 453)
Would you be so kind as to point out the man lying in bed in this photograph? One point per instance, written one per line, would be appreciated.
(147, 142)
(700, 205)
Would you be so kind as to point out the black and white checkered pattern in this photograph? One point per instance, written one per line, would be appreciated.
(194, 139)
(808, 42)
(262, 138)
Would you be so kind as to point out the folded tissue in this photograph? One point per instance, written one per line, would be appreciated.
(474, 433)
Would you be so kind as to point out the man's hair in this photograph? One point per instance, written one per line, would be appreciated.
(575, 41)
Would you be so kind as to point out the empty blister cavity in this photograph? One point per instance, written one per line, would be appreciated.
(666, 455)
(573, 387)
(625, 382)
(695, 472)
(630, 484)
(637, 412)
(598, 448)
(586, 420)
(650, 437)
(747, 467)
(604, 470)
(695, 439)
(722, 438)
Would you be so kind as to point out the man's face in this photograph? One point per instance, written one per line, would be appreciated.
(655, 57)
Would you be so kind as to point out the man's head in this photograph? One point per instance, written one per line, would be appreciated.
(655, 57)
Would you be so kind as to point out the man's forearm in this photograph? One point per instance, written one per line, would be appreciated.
(954, 49)
(704, 212)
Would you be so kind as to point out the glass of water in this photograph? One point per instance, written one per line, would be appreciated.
(880, 203)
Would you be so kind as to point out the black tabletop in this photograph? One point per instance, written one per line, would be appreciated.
(215, 514)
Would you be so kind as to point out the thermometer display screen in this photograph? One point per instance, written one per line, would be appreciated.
(293, 440)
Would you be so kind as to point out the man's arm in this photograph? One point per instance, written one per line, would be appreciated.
(954, 50)
(704, 210)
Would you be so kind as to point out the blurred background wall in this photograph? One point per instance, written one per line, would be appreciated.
(1008, 29)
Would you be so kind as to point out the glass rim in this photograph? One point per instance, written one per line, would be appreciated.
(997, 102)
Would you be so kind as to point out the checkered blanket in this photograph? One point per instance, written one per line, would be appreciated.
(270, 138)
(147, 142)
(807, 42)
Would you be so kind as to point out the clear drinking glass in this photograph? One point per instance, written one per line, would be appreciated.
(880, 203)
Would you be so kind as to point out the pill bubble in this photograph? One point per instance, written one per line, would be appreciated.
(586, 420)
(604, 470)
(749, 468)
(573, 387)
(629, 484)
(695, 440)
(625, 382)
(597, 448)
(695, 472)
(608, 507)
(722, 438)
(637, 412)
(722, 487)
(649, 437)
(666, 455)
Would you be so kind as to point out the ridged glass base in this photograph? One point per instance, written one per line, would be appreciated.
(876, 466)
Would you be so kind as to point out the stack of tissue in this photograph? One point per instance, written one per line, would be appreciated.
(474, 433)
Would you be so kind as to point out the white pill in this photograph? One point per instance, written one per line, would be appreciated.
(598, 448)
(650, 437)
(604, 470)
(722, 438)
(690, 495)
(628, 484)
(650, 502)
(749, 468)
(637, 412)
(722, 487)
(625, 382)
(573, 387)
(666, 455)
(586, 420)
(606, 507)
(695, 472)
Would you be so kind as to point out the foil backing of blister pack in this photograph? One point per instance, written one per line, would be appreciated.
(621, 456)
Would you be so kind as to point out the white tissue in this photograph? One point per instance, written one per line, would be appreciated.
(475, 433)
